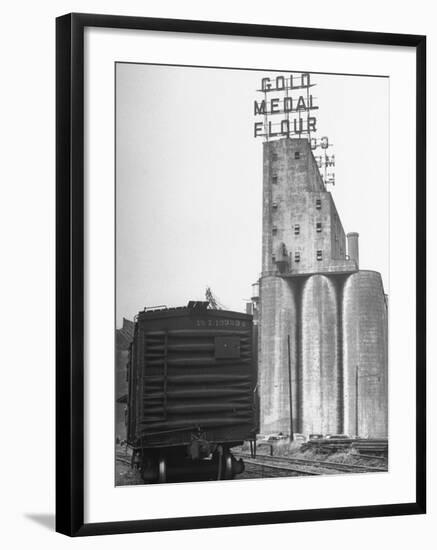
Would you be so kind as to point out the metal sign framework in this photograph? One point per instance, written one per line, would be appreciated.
(299, 120)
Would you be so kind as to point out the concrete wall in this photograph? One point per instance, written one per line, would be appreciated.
(338, 238)
(294, 202)
(365, 350)
(286, 181)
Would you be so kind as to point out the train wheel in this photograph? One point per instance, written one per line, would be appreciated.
(228, 466)
(219, 453)
(162, 471)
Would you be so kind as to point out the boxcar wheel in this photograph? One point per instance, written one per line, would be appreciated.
(228, 466)
(162, 470)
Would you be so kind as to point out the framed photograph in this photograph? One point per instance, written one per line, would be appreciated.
(240, 274)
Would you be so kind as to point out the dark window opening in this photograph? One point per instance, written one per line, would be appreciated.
(274, 178)
(274, 156)
(297, 155)
(319, 227)
(318, 204)
(273, 258)
(297, 256)
(319, 255)
(274, 205)
(274, 230)
(297, 229)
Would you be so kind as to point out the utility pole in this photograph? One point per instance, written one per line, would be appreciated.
(356, 400)
(290, 388)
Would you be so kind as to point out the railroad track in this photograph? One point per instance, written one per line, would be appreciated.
(371, 457)
(284, 466)
(318, 465)
(123, 460)
(337, 465)
(301, 466)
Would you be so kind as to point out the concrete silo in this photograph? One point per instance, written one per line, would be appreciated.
(321, 362)
(365, 355)
(278, 311)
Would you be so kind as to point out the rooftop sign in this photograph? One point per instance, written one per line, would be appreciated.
(290, 97)
(288, 108)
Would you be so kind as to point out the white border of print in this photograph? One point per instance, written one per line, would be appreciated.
(103, 501)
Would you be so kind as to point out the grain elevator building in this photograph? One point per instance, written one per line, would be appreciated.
(322, 319)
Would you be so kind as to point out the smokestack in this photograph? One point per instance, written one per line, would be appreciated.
(255, 291)
(352, 247)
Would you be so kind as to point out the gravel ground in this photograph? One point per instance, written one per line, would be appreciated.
(124, 474)
(253, 471)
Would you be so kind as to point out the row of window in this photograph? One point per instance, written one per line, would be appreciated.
(297, 228)
(318, 204)
(319, 256)
(296, 155)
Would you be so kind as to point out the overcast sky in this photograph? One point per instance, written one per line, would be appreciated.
(189, 179)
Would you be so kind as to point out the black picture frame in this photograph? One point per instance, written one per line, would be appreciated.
(70, 272)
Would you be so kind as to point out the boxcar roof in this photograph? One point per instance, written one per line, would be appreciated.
(192, 308)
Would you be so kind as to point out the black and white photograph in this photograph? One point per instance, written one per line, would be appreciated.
(216, 277)
(252, 274)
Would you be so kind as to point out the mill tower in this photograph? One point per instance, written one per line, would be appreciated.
(322, 320)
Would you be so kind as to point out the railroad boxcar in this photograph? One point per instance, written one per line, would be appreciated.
(192, 392)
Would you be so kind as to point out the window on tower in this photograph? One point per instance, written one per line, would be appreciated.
(318, 204)
(297, 155)
(274, 156)
(297, 256)
(319, 255)
(274, 229)
(319, 227)
(296, 229)
(275, 178)
(274, 205)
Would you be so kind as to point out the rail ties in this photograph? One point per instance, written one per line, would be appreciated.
(284, 467)
(316, 467)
